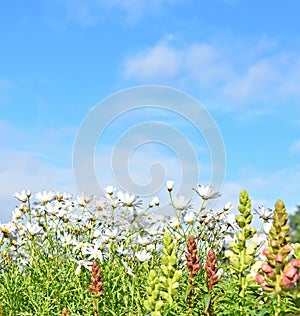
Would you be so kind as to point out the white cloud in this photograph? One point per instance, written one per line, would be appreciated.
(33, 159)
(282, 184)
(161, 59)
(20, 171)
(262, 76)
(295, 147)
(267, 78)
(91, 12)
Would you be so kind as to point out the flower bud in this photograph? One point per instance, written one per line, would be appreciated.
(266, 268)
(287, 249)
(279, 259)
(274, 244)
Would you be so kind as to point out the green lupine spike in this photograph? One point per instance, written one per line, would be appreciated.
(242, 257)
(162, 288)
(152, 303)
(170, 275)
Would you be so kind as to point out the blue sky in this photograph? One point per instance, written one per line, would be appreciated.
(239, 58)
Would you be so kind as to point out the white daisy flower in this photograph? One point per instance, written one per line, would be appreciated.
(109, 189)
(207, 192)
(154, 201)
(23, 196)
(129, 201)
(143, 255)
(45, 196)
(181, 203)
(189, 217)
(170, 185)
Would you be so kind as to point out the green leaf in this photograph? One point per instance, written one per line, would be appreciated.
(207, 300)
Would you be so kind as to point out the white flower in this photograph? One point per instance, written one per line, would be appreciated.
(97, 233)
(170, 185)
(129, 201)
(174, 222)
(82, 246)
(228, 219)
(62, 196)
(150, 247)
(67, 240)
(267, 227)
(33, 229)
(111, 233)
(109, 189)
(143, 255)
(265, 215)
(7, 229)
(23, 196)
(189, 217)
(207, 192)
(227, 206)
(16, 215)
(181, 204)
(100, 204)
(84, 199)
(229, 238)
(124, 252)
(128, 270)
(94, 252)
(80, 264)
(143, 240)
(154, 201)
(45, 197)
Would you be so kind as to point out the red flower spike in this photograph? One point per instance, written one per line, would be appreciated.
(96, 279)
(210, 268)
(191, 256)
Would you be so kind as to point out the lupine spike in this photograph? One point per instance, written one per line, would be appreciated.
(211, 269)
(279, 273)
(96, 279)
(191, 256)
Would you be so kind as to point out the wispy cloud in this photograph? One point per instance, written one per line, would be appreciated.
(91, 12)
(36, 159)
(160, 60)
(295, 147)
(263, 76)
(20, 171)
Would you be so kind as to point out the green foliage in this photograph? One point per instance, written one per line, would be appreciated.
(160, 284)
(294, 222)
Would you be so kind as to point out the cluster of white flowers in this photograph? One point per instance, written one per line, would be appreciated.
(88, 229)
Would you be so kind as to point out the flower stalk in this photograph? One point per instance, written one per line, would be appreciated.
(162, 288)
(192, 263)
(211, 269)
(240, 255)
(191, 256)
(96, 287)
(279, 273)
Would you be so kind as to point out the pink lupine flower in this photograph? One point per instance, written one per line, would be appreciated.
(260, 279)
(290, 277)
(287, 249)
(294, 263)
(279, 259)
(268, 270)
(266, 252)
